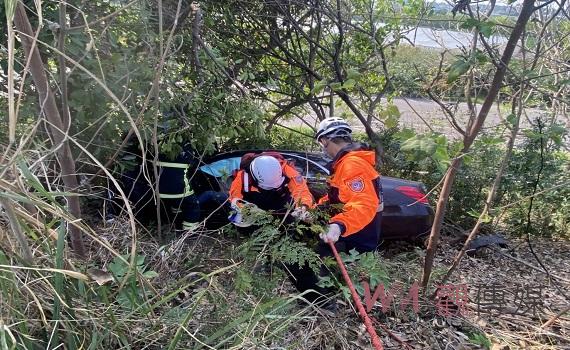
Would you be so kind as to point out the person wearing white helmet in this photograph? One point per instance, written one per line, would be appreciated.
(267, 182)
(267, 171)
(334, 127)
(354, 186)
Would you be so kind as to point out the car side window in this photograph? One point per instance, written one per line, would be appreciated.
(306, 167)
(222, 170)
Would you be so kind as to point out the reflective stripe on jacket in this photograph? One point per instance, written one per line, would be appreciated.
(173, 181)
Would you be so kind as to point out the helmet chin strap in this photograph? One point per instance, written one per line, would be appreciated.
(252, 172)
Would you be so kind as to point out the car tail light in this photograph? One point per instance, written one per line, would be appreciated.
(413, 193)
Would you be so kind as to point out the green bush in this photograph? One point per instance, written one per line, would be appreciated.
(296, 139)
(408, 66)
(551, 209)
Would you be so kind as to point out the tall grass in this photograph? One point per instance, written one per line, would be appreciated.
(57, 304)
(132, 291)
(164, 301)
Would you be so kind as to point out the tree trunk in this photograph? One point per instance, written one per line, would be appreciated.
(55, 123)
(526, 11)
(490, 197)
(62, 67)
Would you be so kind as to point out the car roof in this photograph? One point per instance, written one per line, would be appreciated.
(315, 157)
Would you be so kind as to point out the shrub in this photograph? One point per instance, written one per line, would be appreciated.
(408, 66)
(551, 209)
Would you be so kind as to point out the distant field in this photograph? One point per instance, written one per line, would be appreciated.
(414, 110)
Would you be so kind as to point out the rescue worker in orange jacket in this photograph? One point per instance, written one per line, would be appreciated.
(268, 182)
(354, 184)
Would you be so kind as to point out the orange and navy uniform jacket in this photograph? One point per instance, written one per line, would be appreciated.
(294, 190)
(355, 185)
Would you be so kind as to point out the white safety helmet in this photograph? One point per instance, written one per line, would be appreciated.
(266, 170)
(333, 127)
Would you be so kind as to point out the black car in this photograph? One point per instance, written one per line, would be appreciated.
(407, 213)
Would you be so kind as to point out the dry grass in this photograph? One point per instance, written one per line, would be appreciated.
(195, 277)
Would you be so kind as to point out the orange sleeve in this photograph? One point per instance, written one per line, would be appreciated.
(357, 191)
(236, 187)
(298, 187)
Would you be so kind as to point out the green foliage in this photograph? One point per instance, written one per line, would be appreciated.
(418, 148)
(487, 28)
(368, 266)
(134, 293)
(304, 61)
(424, 158)
(361, 267)
(202, 108)
(458, 68)
(290, 251)
(480, 339)
(210, 122)
(295, 138)
(390, 115)
(551, 210)
(275, 246)
(272, 243)
(298, 138)
(411, 69)
(463, 64)
(243, 280)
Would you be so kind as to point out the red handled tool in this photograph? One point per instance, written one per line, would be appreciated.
(367, 322)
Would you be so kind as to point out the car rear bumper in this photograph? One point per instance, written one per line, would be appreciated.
(396, 226)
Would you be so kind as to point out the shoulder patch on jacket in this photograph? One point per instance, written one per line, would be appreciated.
(356, 184)
(298, 179)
